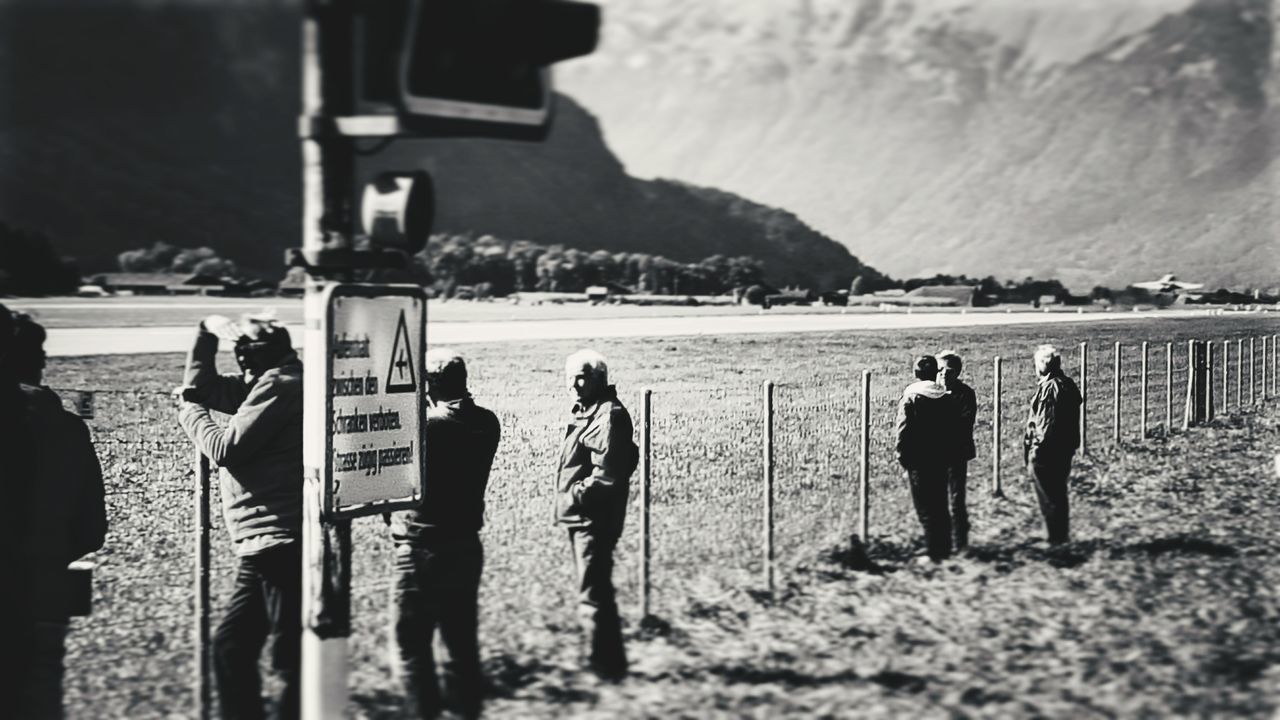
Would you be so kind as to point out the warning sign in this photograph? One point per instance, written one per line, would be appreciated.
(370, 346)
(400, 374)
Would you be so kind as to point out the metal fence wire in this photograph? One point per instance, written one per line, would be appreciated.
(136, 653)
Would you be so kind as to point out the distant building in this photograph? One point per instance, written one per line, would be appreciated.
(959, 295)
(159, 283)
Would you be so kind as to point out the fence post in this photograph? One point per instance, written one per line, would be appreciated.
(646, 476)
(1189, 410)
(997, 392)
(1115, 395)
(200, 682)
(1253, 361)
(1262, 371)
(1208, 380)
(864, 461)
(1226, 376)
(1239, 373)
(1084, 397)
(768, 485)
(1168, 389)
(1275, 363)
(1142, 398)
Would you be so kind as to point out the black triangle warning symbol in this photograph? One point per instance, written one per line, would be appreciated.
(400, 375)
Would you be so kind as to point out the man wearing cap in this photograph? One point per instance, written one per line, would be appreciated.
(439, 557)
(259, 452)
(1051, 438)
(966, 402)
(596, 461)
(54, 512)
(927, 421)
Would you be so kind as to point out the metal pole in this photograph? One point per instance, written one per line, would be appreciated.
(1208, 380)
(864, 461)
(1084, 397)
(1168, 389)
(768, 485)
(1226, 377)
(1115, 395)
(1253, 361)
(1188, 410)
(1239, 373)
(1142, 398)
(1275, 364)
(1262, 370)
(646, 470)
(200, 687)
(995, 426)
(327, 176)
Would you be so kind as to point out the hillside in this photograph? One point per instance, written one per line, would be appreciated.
(1099, 142)
(123, 125)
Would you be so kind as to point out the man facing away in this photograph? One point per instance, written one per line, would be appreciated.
(1051, 438)
(927, 421)
(439, 557)
(966, 402)
(260, 482)
(54, 512)
(596, 461)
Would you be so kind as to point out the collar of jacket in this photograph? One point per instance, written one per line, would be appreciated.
(1051, 376)
(582, 412)
(290, 360)
(456, 404)
(925, 388)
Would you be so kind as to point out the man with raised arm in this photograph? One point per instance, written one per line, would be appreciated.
(596, 461)
(1051, 438)
(439, 557)
(259, 452)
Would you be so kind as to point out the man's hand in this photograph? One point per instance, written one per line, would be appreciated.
(222, 327)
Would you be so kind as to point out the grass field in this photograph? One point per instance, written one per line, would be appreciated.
(1166, 603)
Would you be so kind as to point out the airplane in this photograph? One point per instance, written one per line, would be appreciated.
(1168, 283)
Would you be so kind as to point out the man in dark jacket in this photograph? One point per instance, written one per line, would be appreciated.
(55, 515)
(927, 420)
(596, 462)
(438, 553)
(260, 482)
(966, 402)
(1051, 439)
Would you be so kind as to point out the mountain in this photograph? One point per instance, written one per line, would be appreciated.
(123, 124)
(1097, 141)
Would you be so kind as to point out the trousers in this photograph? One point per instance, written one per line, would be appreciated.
(597, 603)
(929, 495)
(957, 491)
(1050, 479)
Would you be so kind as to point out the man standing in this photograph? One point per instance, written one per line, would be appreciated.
(260, 482)
(1051, 439)
(438, 553)
(966, 402)
(54, 513)
(927, 421)
(596, 462)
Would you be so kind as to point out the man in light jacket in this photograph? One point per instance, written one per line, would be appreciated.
(596, 461)
(259, 452)
(1051, 438)
(927, 421)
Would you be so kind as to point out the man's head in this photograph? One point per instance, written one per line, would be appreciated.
(926, 367)
(26, 360)
(1047, 359)
(587, 376)
(446, 375)
(949, 363)
(263, 344)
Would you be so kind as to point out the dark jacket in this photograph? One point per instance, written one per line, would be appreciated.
(64, 513)
(259, 451)
(1053, 421)
(927, 421)
(461, 441)
(597, 459)
(966, 402)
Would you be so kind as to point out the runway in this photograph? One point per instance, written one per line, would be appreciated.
(64, 342)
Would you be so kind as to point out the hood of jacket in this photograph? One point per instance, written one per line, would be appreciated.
(924, 388)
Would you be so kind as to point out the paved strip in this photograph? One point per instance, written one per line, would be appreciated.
(125, 341)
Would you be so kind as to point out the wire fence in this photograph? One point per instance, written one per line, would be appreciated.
(712, 515)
